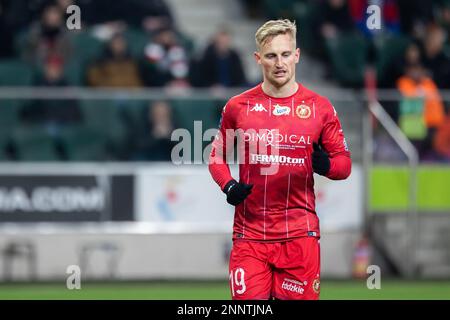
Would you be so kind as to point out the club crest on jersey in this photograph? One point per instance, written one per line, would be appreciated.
(258, 107)
(316, 285)
(303, 111)
(281, 110)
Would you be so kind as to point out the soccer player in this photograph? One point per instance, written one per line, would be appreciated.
(284, 132)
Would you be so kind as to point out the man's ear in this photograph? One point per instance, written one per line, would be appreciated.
(257, 56)
(297, 55)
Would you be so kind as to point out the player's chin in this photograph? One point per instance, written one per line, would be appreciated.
(280, 81)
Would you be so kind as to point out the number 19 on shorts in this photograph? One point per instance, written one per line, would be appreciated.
(237, 281)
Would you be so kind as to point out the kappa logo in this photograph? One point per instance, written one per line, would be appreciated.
(281, 110)
(303, 111)
(258, 107)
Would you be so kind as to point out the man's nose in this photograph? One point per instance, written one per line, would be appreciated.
(278, 62)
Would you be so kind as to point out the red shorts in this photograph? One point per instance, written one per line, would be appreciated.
(288, 270)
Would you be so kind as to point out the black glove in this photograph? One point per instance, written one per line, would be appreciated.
(320, 160)
(237, 192)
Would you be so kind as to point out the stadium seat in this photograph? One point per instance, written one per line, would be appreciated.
(347, 53)
(277, 9)
(186, 42)
(136, 40)
(9, 120)
(306, 14)
(4, 140)
(388, 50)
(15, 72)
(81, 143)
(86, 46)
(74, 72)
(188, 111)
(104, 117)
(34, 143)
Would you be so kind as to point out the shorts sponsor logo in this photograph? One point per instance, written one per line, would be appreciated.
(293, 285)
(281, 110)
(303, 111)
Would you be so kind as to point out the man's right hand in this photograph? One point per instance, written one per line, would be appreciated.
(237, 192)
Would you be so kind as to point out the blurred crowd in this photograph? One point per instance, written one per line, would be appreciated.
(126, 44)
(406, 43)
(137, 43)
(35, 31)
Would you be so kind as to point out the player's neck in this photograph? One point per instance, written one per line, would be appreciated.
(280, 92)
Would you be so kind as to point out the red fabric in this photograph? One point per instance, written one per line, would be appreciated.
(282, 202)
(277, 135)
(285, 270)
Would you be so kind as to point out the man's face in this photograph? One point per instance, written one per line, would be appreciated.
(278, 57)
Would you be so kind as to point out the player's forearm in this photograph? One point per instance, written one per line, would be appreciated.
(220, 173)
(340, 167)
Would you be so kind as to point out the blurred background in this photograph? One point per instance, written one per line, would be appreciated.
(87, 114)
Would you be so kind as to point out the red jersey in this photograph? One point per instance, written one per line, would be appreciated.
(275, 139)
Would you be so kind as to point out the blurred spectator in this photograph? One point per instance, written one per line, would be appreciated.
(252, 8)
(434, 57)
(48, 37)
(150, 139)
(143, 14)
(444, 17)
(421, 109)
(52, 113)
(220, 65)
(165, 61)
(7, 31)
(415, 15)
(411, 56)
(441, 142)
(15, 15)
(395, 70)
(116, 68)
(335, 18)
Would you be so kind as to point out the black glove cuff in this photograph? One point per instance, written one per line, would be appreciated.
(228, 186)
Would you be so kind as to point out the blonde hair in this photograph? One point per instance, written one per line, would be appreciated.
(273, 28)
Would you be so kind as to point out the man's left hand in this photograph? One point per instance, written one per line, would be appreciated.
(320, 160)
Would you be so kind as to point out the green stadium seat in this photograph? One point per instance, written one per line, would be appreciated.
(74, 72)
(9, 112)
(136, 39)
(3, 146)
(277, 9)
(14, 72)
(104, 117)
(388, 50)
(188, 111)
(34, 143)
(9, 120)
(348, 53)
(185, 112)
(86, 47)
(306, 14)
(81, 143)
(186, 42)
